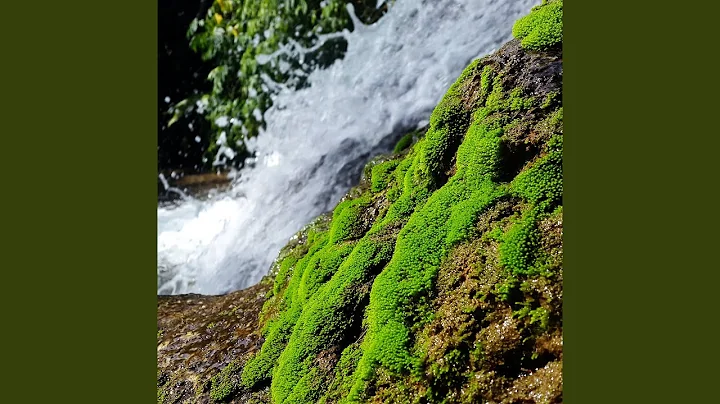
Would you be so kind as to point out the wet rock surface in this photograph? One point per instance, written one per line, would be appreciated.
(200, 335)
(193, 185)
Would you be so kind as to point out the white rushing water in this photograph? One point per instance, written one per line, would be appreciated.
(317, 139)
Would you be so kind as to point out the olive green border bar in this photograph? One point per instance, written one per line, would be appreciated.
(635, 220)
(598, 209)
(79, 212)
(79, 81)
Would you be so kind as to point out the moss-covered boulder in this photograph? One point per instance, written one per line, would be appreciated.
(438, 279)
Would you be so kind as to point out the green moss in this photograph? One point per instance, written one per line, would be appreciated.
(495, 99)
(404, 142)
(517, 102)
(342, 383)
(402, 169)
(317, 318)
(258, 369)
(161, 395)
(424, 170)
(366, 177)
(542, 182)
(308, 388)
(322, 267)
(538, 316)
(382, 175)
(445, 219)
(557, 116)
(507, 290)
(328, 316)
(550, 99)
(283, 274)
(400, 293)
(517, 252)
(382, 261)
(347, 223)
(296, 249)
(542, 28)
(493, 115)
(225, 384)
(396, 180)
(277, 330)
(486, 80)
(306, 303)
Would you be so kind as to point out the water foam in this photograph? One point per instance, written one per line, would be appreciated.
(318, 138)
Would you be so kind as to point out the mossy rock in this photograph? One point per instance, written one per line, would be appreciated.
(479, 185)
(438, 278)
(543, 27)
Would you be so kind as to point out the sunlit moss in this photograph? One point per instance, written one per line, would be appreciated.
(520, 244)
(328, 316)
(277, 330)
(364, 286)
(399, 294)
(404, 142)
(382, 174)
(541, 28)
(342, 382)
(543, 180)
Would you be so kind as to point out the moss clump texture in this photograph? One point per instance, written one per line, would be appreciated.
(382, 175)
(407, 140)
(542, 180)
(403, 143)
(224, 384)
(327, 320)
(342, 382)
(439, 277)
(541, 28)
(328, 250)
